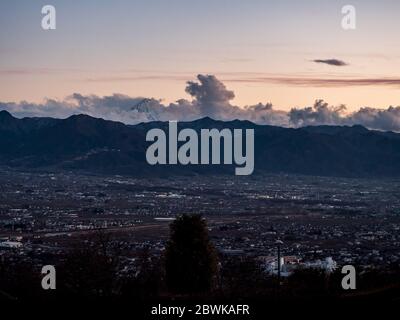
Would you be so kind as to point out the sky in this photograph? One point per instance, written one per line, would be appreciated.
(288, 53)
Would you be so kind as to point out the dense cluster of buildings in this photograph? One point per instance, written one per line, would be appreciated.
(322, 222)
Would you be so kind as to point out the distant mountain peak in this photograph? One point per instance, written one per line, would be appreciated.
(359, 127)
(205, 119)
(80, 116)
(4, 114)
(72, 143)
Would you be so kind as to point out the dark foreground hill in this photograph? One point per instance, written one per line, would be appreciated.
(85, 143)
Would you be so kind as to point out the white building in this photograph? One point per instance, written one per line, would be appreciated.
(10, 244)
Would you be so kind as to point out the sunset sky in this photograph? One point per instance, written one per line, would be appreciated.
(262, 50)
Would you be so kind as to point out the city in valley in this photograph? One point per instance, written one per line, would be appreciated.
(322, 222)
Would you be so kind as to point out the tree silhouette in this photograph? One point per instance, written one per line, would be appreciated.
(89, 269)
(147, 280)
(190, 258)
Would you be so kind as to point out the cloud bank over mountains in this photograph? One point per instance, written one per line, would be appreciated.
(210, 98)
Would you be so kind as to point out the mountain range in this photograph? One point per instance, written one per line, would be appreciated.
(88, 144)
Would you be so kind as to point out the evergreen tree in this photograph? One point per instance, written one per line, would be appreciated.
(191, 261)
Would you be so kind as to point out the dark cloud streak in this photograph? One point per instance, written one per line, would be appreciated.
(331, 62)
(322, 82)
